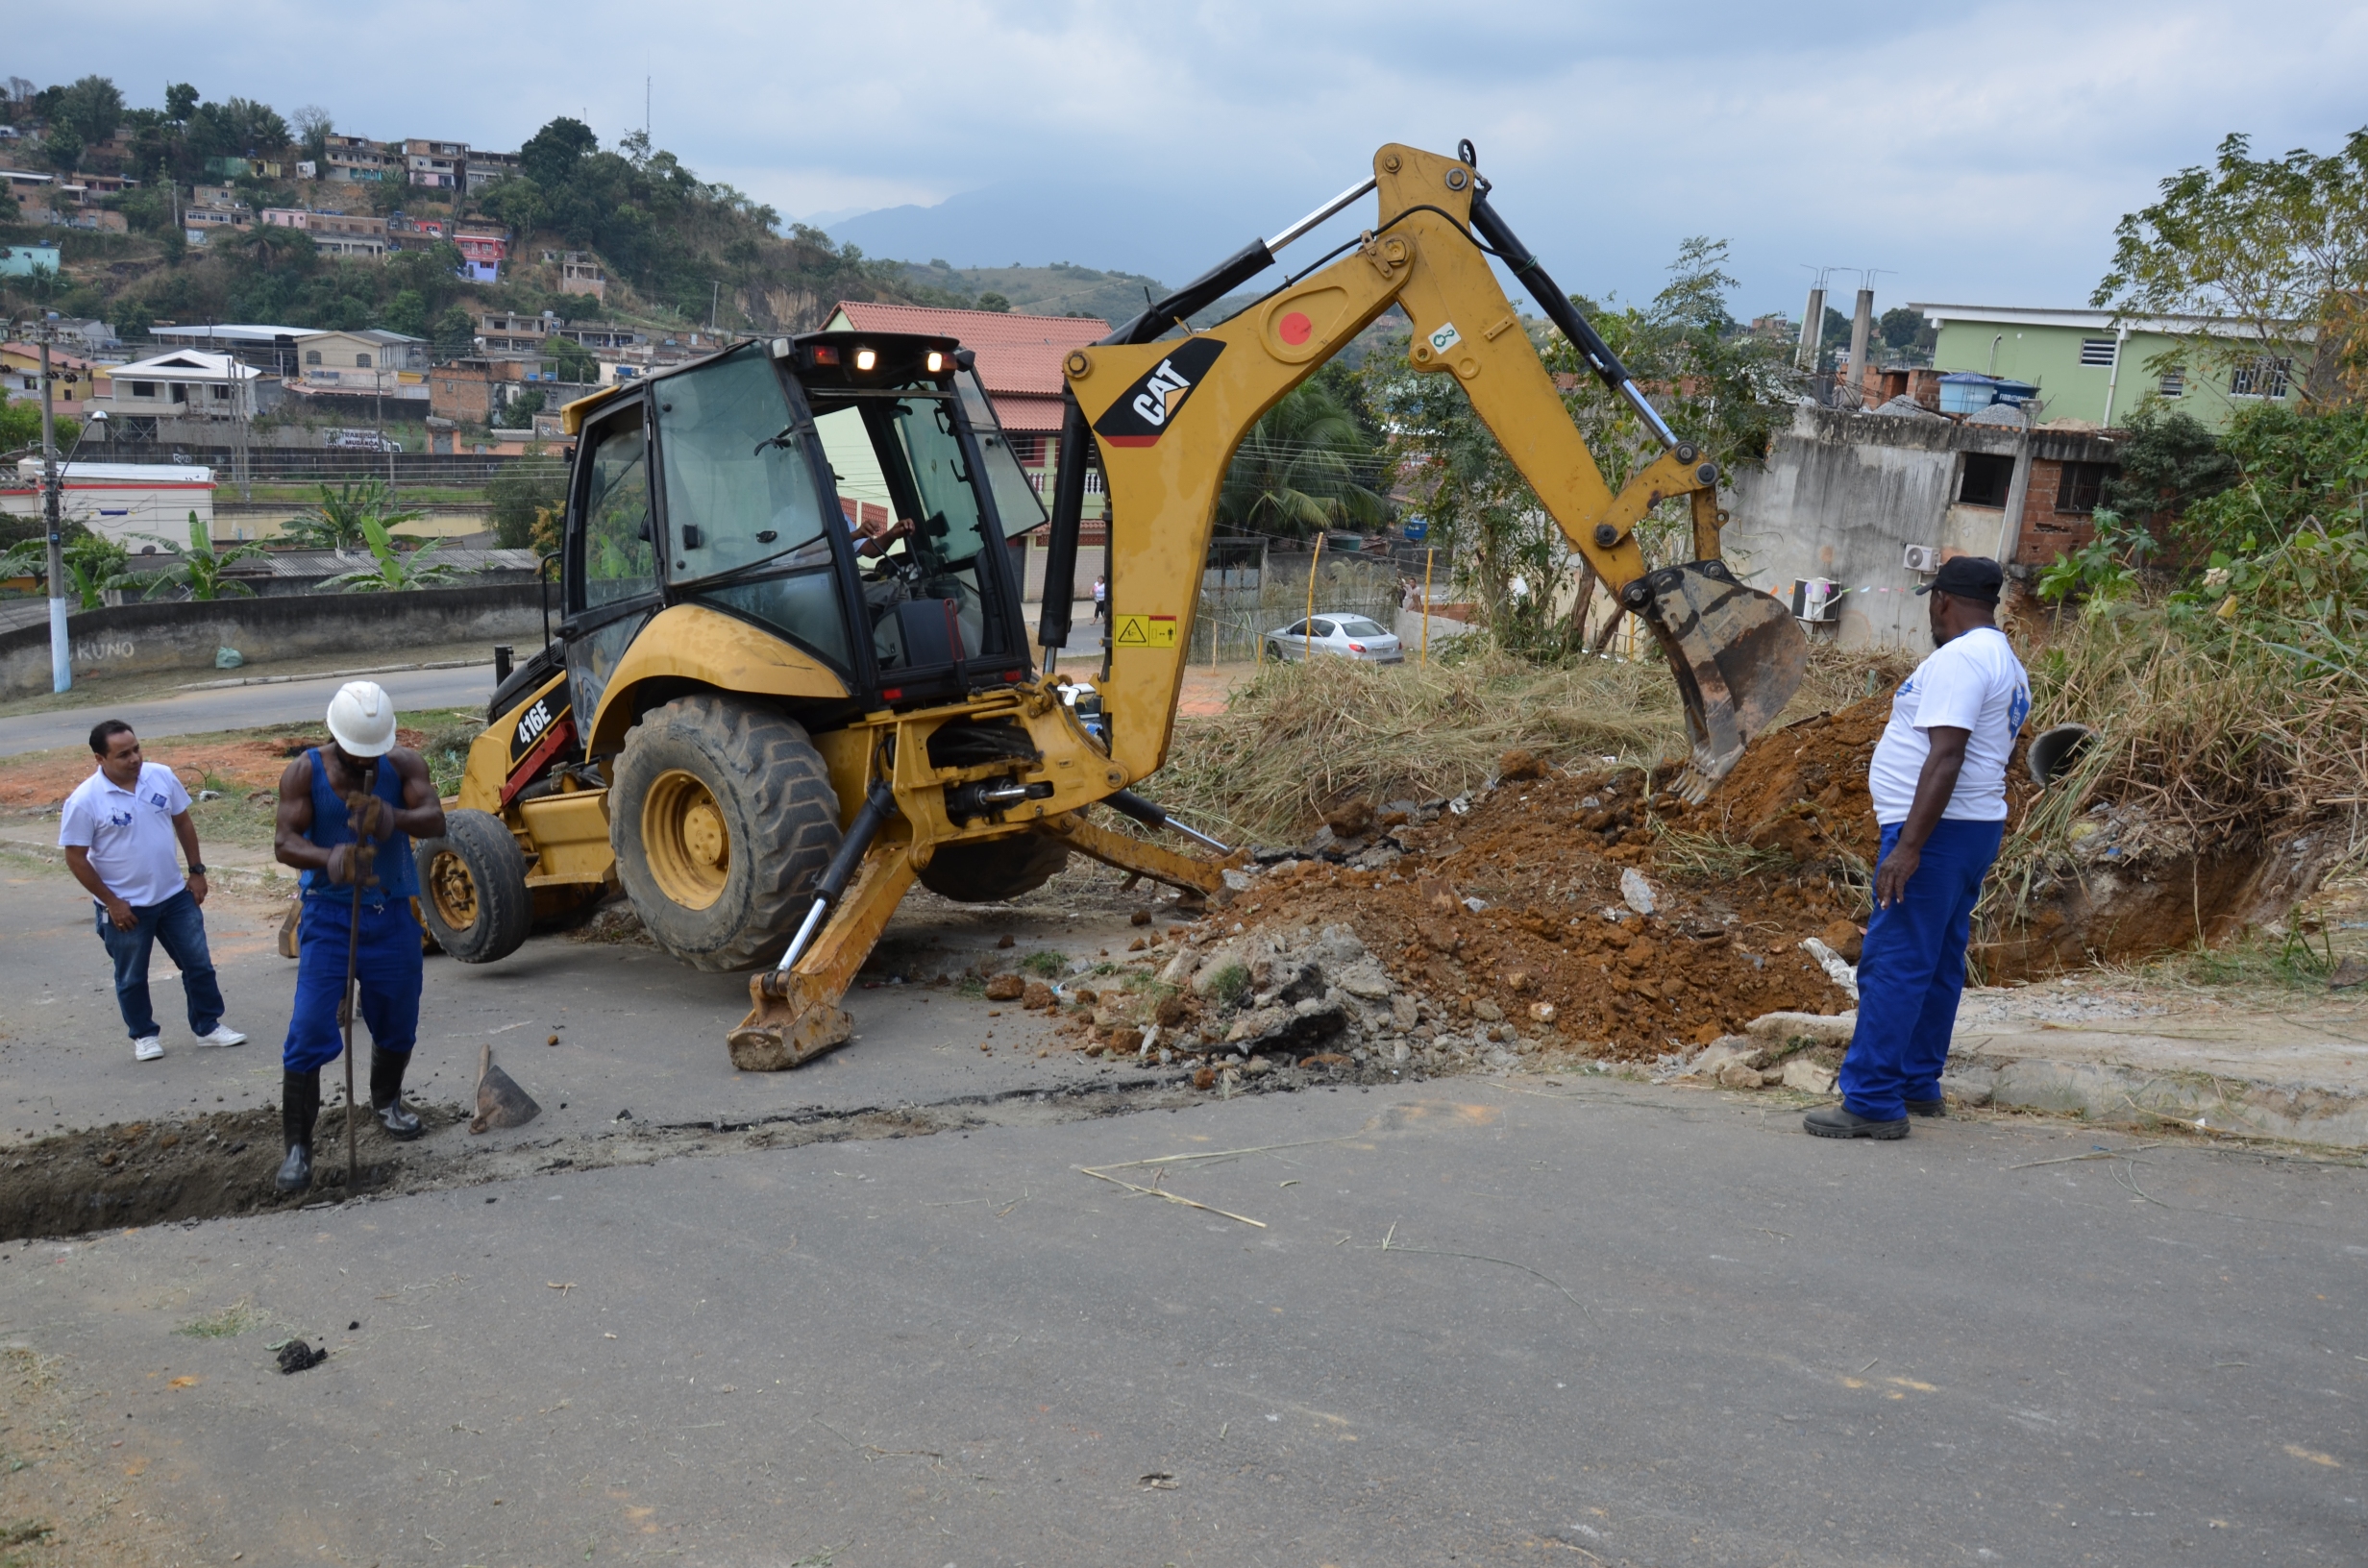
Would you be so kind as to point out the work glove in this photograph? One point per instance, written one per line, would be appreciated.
(349, 862)
(367, 813)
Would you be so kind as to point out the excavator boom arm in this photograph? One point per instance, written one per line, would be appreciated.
(1167, 416)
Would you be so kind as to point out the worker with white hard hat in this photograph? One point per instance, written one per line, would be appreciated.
(348, 814)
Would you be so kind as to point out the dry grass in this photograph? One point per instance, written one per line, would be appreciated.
(2217, 742)
(1302, 737)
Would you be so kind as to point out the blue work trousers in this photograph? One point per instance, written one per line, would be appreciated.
(388, 965)
(178, 924)
(1911, 971)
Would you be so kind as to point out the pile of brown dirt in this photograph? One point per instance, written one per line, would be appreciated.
(1544, 858)
(1803, 789)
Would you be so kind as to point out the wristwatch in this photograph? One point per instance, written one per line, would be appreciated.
(196, 868)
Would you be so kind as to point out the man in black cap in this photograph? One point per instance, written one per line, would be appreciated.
(1939, 779)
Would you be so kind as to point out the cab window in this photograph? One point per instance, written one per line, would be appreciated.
(739, 484)
(618, 561)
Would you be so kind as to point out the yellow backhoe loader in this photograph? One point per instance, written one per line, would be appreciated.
(766, 724)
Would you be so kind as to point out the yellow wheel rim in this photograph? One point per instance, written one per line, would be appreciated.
(454, 890)
(682, 833)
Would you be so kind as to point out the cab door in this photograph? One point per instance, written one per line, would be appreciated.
(611, 564)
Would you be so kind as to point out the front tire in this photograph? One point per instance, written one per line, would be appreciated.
(473, 888)
(722, 817)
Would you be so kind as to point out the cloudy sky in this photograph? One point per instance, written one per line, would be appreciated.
(1968, 153)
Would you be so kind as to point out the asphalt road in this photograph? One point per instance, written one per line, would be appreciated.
(634, 1031)
(1518, 1321)
(237, 707)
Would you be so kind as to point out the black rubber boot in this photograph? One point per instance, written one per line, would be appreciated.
(300, 1107)
(387, 1095)
(1928, 1108)
(1839, 1121)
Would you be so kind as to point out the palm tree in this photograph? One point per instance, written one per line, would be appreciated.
(341, 518)
(1296, 470)
(203, 570)
(392, 571)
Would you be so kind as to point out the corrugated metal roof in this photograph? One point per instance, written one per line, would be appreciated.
(1016, 353)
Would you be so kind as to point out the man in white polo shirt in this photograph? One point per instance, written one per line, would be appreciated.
(1938, 778)
(117, 829)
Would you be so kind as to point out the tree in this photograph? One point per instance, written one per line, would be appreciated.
(992, 300)
(1717, 386)
(92, 106)
(1302, 469)
(342, 518)
(2169, 461)
(1905, 330)
(63, 147)
(2272, 254)
(388, 192)
(571, 360)
(20, 426)
(314, 127)
(180, 102)
(391, 568)
(551, 155)
(202, 569)
(518, 493)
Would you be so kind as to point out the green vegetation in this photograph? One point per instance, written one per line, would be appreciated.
(1717, 386)
(392, 569)
(342, 519)
(202, 567)
(1305, 466)
(1045, 964)
(1230, 985)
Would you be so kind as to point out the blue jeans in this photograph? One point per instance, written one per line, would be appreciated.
(178, 925)
(387, 964)
(1911, 971)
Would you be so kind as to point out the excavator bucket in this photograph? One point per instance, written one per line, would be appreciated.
(1738, 655)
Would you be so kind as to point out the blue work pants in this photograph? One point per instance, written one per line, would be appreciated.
(388, 967)
(181, 927)
(1911, 970)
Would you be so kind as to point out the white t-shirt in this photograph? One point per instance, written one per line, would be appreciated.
(1974, 683)
(129, 833)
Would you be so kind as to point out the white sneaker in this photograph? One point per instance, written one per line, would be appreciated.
(223, 1035)
(148, 1048)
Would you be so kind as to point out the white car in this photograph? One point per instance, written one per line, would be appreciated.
(1344, 636)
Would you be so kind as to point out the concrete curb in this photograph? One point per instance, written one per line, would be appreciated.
(2123, 1095)
(329, 674)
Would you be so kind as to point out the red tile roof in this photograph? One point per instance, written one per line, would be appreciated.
(1017, 353)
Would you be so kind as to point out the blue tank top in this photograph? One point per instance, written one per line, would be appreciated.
(398, 875)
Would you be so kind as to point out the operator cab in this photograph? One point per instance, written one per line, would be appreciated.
(846, 492)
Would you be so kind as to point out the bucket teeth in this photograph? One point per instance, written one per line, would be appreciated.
(1738, 655)
(786, 1026)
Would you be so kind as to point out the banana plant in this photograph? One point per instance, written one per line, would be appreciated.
(203, 570)
(392, 569)
(338, 520)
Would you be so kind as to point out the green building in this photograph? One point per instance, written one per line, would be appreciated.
(2088, 369)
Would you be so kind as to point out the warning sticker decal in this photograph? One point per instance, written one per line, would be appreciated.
(1143, 632)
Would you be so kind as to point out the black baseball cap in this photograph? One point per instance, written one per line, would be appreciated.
(1968, 576)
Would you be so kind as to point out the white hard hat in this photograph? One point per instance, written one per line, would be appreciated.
(361, 715)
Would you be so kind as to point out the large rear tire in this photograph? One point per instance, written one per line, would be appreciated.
(985, 871)
(722, 816)
(473, 888)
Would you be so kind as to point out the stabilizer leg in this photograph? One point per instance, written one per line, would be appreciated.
(794, 1014)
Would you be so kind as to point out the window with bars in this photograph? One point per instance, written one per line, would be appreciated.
(2097, 350)
(2263, 378)
(2080, 486)
(2175, 383)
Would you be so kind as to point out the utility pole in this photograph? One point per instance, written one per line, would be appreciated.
(61, 645)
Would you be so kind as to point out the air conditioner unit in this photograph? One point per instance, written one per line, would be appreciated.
(1815, 599)
(1924, 558)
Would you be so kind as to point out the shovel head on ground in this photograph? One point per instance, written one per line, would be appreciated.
(1738, 655)
(499, 1101)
